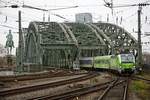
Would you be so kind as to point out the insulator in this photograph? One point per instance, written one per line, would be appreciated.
(142, 4)
(14, 6)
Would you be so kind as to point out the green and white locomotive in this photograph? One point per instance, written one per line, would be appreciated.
(121, 63)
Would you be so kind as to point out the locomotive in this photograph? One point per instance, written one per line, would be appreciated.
(122, 63)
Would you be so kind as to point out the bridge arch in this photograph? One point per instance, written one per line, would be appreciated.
(62, 44)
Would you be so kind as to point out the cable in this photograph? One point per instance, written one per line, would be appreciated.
(6, 2)
(16, 18)
(60, 16)
(128, 17)
(12, 2)
(36, 8)
(8, 26)
(67, 6)
(30, 17)
(122, 11)
(147, 1)
(2, 14)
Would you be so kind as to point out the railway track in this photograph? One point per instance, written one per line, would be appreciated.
(68, 95)
(125, 93)
(119, 84)
(48, 74)
(140, 78)
(113, 92)
(107, 89)
(73, 93)
(24, 89)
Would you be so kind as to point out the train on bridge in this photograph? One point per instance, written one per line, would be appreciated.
(122, 63)
(61, 45)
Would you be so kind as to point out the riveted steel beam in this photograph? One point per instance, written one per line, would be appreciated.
(61, 44)
(97, 35)
(102, 33)
(71, 34)
(66, 34)
(118, 36)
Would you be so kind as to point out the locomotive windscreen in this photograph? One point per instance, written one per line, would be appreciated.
(127, 58)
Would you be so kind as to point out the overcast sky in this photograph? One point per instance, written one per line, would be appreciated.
(95, 7)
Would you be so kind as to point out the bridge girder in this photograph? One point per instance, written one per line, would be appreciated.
(52, 43)
(119, 37)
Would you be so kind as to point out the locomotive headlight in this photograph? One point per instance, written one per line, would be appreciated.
(121, 68)
(133, 68)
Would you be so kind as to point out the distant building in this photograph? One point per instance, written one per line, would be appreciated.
(84, 18)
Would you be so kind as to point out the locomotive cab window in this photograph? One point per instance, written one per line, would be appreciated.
(127, 58)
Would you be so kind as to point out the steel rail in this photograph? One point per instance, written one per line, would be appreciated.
(30, 88)
(73, 93)
(141, 78)
(77, 92)
(37, 76)
(111, 86)
(125, 94)
(107, 90)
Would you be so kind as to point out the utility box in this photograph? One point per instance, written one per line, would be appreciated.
(84, 18)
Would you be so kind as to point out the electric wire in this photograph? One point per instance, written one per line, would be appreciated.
(8, 26)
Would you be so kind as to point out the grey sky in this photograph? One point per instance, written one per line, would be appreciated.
(99, 12)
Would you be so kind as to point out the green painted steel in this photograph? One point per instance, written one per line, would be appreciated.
(52, 44)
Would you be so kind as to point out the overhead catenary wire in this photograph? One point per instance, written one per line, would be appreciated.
(131, 5)
(16, 17)
(147, 1)
(36, 8)
(10, 2)
(124, 10)
(29, 16)
(6, 3)
(41, 9)
(130, 16)
(13, 17)
(8, 26)
(73, 5)
(110, 5)
(27, 6)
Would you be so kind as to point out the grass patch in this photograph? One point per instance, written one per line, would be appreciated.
(141, 88)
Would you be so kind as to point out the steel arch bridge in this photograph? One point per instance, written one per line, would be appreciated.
(62, 44)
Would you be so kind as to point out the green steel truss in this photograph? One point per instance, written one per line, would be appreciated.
(62, 44)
